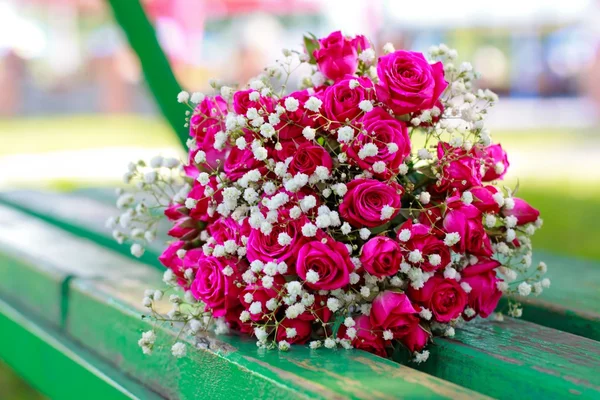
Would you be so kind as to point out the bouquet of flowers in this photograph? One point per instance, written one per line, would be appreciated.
(358, 211)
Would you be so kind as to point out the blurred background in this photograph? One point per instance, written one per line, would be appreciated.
(74, 107)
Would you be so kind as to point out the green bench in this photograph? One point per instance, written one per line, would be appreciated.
(77, 294)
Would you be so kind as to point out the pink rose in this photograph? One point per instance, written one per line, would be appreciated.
(340, 102)
(288, 148)
(218, 290)
(460, 170)
(361, 43)
(496, 162)
(444, 297)
(266, 248)
(483, 199)
(422, 238)
(205, 122)
(484, 295)
(408, 83)
(337, 55)
(366, 339)
(365, 199)
(239, 162)
(308, 157)
(242, 102)
(171, 260)
(232, 318)
(416, 339)
(262, 295)
(465, 219)
(381, 256)
(380, 128)
(303, 330)
(184, 228)
(318, 311)
(175, 211)
(293, 122)
(330, 260)
(224, 229)
(394, 311)
(201, 211)
(523, 211)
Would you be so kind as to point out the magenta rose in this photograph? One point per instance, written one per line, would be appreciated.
(224, 229)
(380, 128)
(308, 157)
(293, 122)
(524, 213)
(239, 162)
(318, 311)
(215, 288)
(201, 211)
(465, 219)
(337, 55)
(242, 102)
(171, 260)
(365, 199)
(422, 238)
(366, 337)
(340, 102)
(288, 148)
(184, 228)
(408, 83)
(460, 169)
(232, 318)
(330, 260)
(416, 339)
(266, 248)
(262, 295)
(381, 256)
(495, 162)
(303, 329)
(205, 122)
(484, 295)
(483, 199)
(444, 297)
(394, 311)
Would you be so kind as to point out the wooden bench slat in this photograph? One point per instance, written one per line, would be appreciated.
(102, 314)
(57, 367)
(571, 305)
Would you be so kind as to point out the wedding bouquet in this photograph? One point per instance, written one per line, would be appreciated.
(358, 211)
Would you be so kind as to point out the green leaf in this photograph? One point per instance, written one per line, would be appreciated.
(336, 325)
(311, 44)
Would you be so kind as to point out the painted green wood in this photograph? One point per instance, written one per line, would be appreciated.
(518, 359)
(160, 78)
(56, 367)
(80, 215)
(36, 263)
(572, 304)
(101, 315)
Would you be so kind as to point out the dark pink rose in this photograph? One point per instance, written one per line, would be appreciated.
(423, 238)
(201, 211)
(381, 256)
(293, 122)
(224, 229)
(444, 297)
(318, 311)
(171, 260)
(207, 119)
(460, 169)
(408, 83)
(380, 128)
(361, 43)
(303, 330)
(266, 248)
(465, 219)
(232, 318)
(523, 211)
(330, 260)
(262, 295)
(184, 228)
(288, 148)
(483, 199)
(218, 290)
(416, 339)
(394, 311)
(340, 102)
(175, 211)
(484, 295)
(366, 337)
(365, 198)
(337, 55)
(308, 157)
(239, 162)
(495, 162)
(242, 102)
